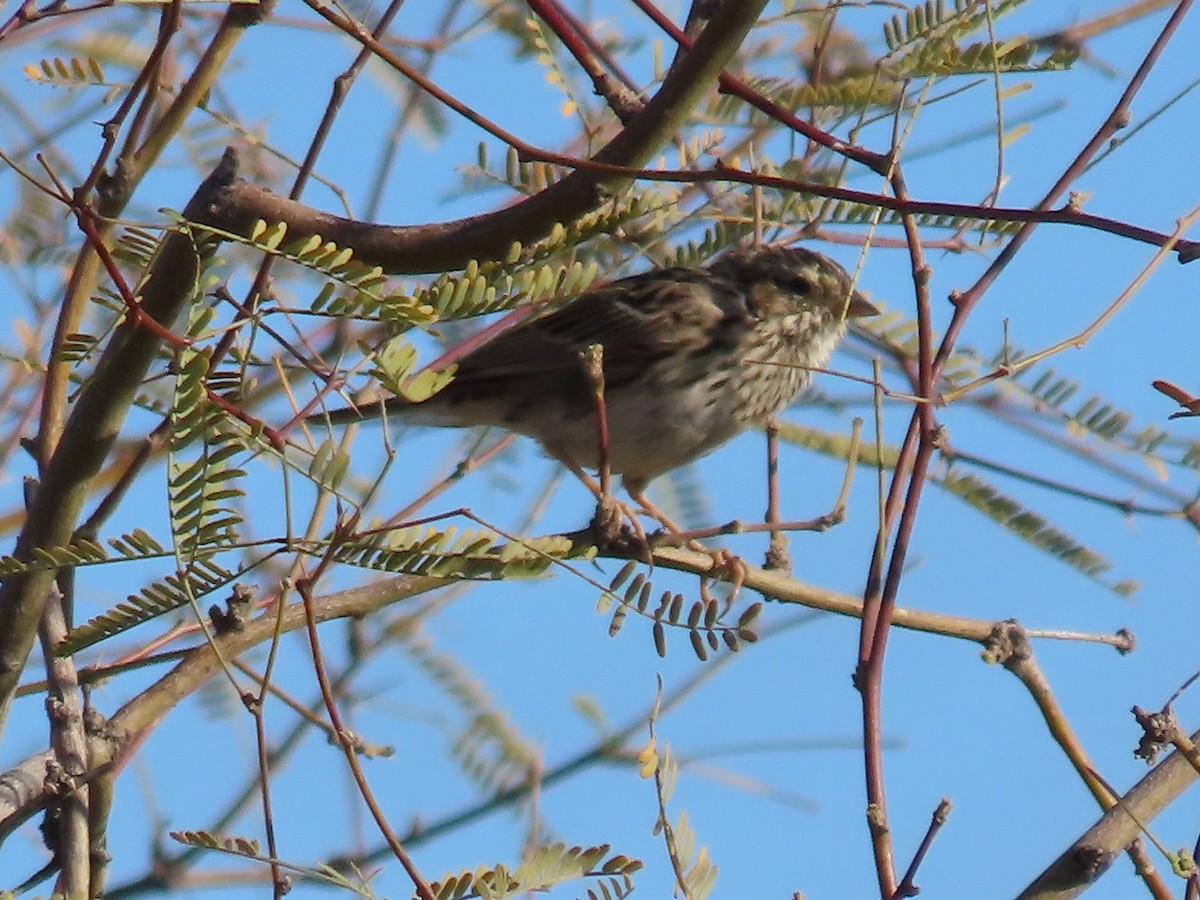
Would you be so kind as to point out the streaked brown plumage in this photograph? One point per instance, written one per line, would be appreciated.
(692, 357)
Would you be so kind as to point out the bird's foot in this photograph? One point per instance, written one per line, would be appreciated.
(728, 567)
(616, 527)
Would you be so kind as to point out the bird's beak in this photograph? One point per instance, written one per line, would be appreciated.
(859, 307)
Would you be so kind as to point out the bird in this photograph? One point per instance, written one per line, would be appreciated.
(692, 356)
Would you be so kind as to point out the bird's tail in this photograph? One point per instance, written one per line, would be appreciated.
(358, 413)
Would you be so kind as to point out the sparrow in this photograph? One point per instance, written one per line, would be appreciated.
(692, 357)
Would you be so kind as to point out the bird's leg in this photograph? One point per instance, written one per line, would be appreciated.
(636, 493)
(730, 565)
(725, 562)
(777, 552)
(614, 523)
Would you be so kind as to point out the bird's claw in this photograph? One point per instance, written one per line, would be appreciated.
(729, 567)
(615, 527)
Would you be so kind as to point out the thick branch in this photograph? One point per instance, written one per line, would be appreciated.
(22, 790)
(1090, 856)
(439, 246)
(21, 795)
(90, 431)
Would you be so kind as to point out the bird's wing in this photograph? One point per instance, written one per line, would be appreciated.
(635, 320)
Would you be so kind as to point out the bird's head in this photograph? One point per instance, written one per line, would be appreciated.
(795, 276)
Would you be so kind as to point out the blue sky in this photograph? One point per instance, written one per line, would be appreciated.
(957, 727)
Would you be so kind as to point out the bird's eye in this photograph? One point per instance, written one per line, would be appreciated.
(800, 284)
